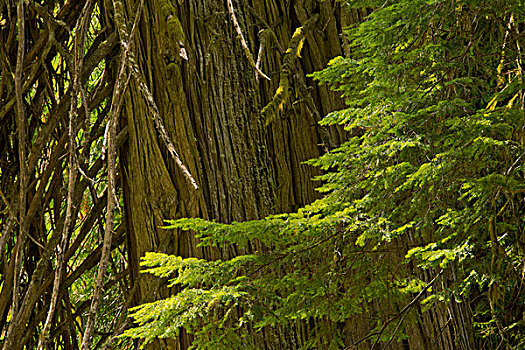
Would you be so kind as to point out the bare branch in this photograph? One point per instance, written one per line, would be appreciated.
(21, 124)
(243, 41)
(22, 181)
(81, 32)
(158, 122)
(116, 103)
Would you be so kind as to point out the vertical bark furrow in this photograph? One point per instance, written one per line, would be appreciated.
(211, 106)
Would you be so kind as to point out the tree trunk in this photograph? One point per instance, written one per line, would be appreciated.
(210, 104)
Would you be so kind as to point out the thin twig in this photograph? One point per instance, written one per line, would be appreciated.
(152, 106)
(5, 234)
(158, 122)
(402, 312)
(22, 182)
(10, 209)
(123, 323)
(243, 41)
(259, 55)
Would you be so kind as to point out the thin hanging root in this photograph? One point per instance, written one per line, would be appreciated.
(243, 41)
(292, 52)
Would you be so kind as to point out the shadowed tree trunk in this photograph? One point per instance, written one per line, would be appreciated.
(210, 99)
(211, 106)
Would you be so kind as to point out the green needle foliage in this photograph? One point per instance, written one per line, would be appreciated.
(431, 179)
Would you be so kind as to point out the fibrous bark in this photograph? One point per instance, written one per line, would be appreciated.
(210, 99)
(211, 105)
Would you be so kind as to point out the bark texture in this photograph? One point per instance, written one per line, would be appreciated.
(211, 104)
(211, 100)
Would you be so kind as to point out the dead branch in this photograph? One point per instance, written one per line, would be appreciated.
(116, 102)
(243, 41)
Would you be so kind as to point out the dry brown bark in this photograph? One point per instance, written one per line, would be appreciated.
(211, 105)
